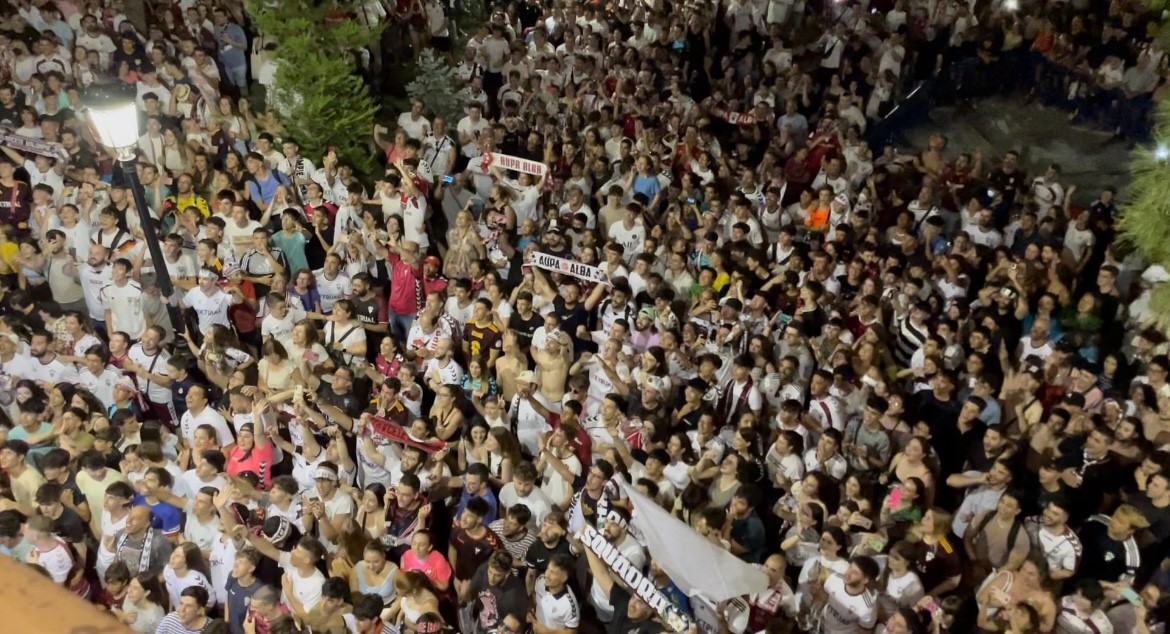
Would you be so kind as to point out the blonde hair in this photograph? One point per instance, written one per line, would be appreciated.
(1132, 517)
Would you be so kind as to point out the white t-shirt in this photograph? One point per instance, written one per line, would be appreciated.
(281, 329)
(155, 364)
(846, 613)
(190, 422)
(239, 239)
(630, 239)
(415, 129)
(556, 611)
(101, 386)
(332, 290)
(1076, 241)
(176, 585)
(211, 309)
(92, 282)
(414, 216)
(56, 561)
(555, 487)
(536, 501)
(339, 504)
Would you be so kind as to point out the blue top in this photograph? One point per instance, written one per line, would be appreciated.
(266, 189)
(489, 497)
(309, 300)
(647, 185)
(384, 589)
(231, 56)
(164, 517)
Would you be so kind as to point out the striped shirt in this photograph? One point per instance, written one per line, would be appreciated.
(171, 624)
(908, 338)
(518, 547)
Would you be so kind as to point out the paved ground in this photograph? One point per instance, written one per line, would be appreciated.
(1042, 135)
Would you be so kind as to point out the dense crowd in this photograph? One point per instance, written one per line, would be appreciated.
(909, 391)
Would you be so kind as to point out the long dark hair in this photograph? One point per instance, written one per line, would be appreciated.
(154, 591)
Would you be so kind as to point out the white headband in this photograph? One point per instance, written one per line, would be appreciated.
(324, 473)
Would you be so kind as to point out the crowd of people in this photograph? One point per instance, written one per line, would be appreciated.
(920, 391)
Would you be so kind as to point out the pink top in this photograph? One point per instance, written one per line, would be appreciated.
(259, 462)
(435, 566)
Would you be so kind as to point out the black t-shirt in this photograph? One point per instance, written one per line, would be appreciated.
(571, 318)
(70, 527)
(10, 115)
(619, 598)
(1159, 518)
(493, 603)
(366, 310)
(1102, 557)
(347, 402)
(1008, 184)
(539, 555)
(524, 328)
(638, 409)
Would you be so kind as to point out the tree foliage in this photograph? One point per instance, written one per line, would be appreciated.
(435, 85)
(1145, 210)
(1145, 217)
(318, 98)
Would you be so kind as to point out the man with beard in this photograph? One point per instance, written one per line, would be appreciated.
(142, 548)
(554, 242)
(185, 196)
(47, 368)
(496, 591)
(652, 403)
(1052, 538)
(94, 275)
(15, 196)
(369, 310)
(624, 613)
(62, 275)
(550, 542)
(148, 362)
(407, 510)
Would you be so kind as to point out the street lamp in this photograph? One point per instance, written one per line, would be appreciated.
(113, 118)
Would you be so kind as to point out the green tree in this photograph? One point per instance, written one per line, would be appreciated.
(317, 97)
(1145, 211)
(435, 85)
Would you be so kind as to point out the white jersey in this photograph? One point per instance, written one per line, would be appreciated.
(102, 385)
(558, 611)
(414, 215)
(155, 364)
(332, 290)
(53, 372)
(92, 282)
(211, 309)
(124, 304)
(846, 613)
(281, 329)
(1062, 551)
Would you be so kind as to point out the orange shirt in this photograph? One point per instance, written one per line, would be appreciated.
(818, 217)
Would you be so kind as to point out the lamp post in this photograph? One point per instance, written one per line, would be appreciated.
(114, 120)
